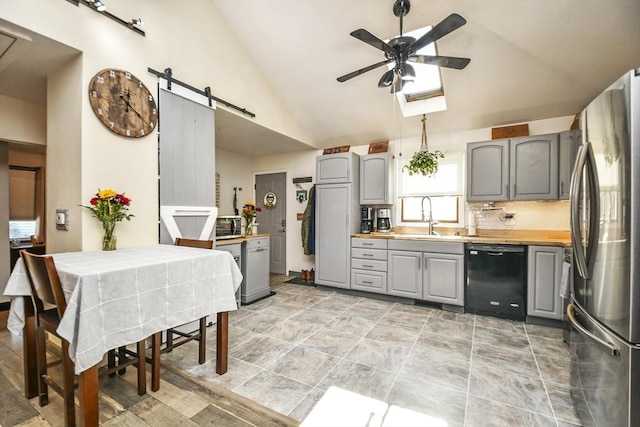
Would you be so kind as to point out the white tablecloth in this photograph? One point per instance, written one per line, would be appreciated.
(120, 297)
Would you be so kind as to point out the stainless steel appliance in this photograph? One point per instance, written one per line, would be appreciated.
(384, 220)
(496, 280)
(605, 232)
(366, 220)
(228, 227)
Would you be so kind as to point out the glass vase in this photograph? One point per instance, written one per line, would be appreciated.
(109, 239)
(248, 229)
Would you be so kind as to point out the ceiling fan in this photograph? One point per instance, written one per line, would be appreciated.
(403, 49)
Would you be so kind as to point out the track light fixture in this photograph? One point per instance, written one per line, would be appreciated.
(100, 7)
(137, 22)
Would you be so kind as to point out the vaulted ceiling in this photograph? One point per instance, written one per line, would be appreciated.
(530, 60)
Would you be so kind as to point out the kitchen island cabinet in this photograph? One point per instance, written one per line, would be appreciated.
(255, 269)
(543, 282)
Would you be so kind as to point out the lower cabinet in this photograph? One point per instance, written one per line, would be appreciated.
(405, 274)
(443, 279)
(544, 277)
(369, 265)
(430, 271)
(255, 269)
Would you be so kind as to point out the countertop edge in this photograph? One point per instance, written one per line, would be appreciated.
(469, 239)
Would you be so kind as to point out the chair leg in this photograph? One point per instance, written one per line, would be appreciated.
(122, 355)
(41, 354)
(155, 361)
(169, 340)
(142, 367)
(68, 382)
(111, 362)
(202, 341)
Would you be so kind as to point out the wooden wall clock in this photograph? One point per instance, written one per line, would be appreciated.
(123, 103)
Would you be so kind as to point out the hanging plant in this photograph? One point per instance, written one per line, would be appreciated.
(424, 162)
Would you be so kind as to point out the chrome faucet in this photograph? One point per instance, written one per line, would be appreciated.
(430, 214)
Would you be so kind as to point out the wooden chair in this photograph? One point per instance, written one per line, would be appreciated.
(201, 334)
(46, 289)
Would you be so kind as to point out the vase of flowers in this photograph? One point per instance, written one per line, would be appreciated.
(109, 208)
(249, 211)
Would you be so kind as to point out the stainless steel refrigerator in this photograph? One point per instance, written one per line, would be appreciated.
(605, 231)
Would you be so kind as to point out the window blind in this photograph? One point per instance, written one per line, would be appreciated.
(22, 194)
(448, 181)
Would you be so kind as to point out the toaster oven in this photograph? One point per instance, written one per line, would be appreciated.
(228, 227)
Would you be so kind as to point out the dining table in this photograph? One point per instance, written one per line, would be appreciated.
(115, 298)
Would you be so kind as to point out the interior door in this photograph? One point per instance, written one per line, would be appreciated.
(270, 188)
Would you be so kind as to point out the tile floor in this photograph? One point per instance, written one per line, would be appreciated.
(467, 370)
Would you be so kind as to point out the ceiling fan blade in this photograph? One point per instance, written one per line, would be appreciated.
(441, 61)
(370, 39)
(364, 70)
(447, 25)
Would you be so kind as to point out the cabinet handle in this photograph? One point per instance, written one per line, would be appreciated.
(367, 244)
(506, 187)
(367, 282)
(367, 266)
(367, 254)
(419, 263)
(561, 187)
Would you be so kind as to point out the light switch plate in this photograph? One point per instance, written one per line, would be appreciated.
(62, 219)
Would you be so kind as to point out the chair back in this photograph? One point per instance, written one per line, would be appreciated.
(194, 243)
(44, 281)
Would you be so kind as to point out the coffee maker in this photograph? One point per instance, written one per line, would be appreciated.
(384, 220)
(366, 220)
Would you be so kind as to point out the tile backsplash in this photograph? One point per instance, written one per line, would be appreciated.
(552, 215)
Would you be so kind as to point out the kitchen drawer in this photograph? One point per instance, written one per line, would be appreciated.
(422, 246)
(380, 254)
(368, 264)
(257, 242)
(370, 281)
(359, 242)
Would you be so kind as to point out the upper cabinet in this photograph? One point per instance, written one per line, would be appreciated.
(376, 179)
(488, 171)
(524, 168)
(534, 167)
(570, 141)
(337, 168)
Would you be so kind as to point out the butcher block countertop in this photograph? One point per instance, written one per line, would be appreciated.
(222, 242)
(494, 237)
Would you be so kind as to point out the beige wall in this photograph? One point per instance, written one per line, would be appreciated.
(190, 37)
(4, 218)
(235, 171)
(22, 121)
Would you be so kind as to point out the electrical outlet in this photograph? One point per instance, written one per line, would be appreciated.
(62, 219)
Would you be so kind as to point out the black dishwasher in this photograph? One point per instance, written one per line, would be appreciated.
(496, 280)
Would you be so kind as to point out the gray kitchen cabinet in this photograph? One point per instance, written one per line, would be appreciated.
(488, 171)
(544, 273)
(570, 141)
(337, 168)
(369, 265)
(533, 167)
(430, 271)
(405, 274)
(255, 269)
(376, 179)
(443, 278)
(337, 210)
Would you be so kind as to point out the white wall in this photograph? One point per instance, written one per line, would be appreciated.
(190, 37)
(22, 121)
(235, 171)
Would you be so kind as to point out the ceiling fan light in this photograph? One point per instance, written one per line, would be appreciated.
(386, 80)
(407, 72)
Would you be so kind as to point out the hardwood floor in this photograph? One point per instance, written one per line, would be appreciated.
(182, 399)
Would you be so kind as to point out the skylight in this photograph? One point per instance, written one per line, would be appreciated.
(425, 94)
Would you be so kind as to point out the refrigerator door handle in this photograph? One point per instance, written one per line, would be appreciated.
(585, 160)
(615, 352)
